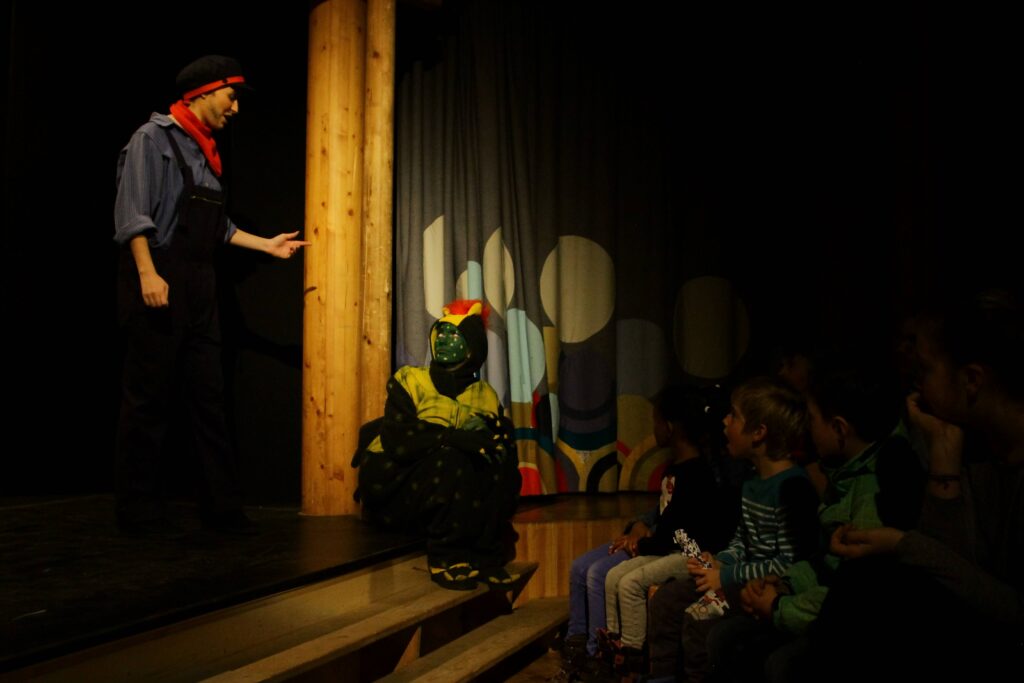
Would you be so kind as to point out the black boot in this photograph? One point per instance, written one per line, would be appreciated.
(574, 656)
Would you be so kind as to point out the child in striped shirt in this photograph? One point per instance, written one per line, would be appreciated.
(778, 523)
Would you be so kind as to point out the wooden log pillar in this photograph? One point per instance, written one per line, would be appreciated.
(377, 205)
(335, 366)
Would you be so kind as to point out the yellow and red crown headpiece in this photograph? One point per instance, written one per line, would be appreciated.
(460, 309)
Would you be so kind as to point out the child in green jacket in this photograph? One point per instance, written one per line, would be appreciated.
(853, 414)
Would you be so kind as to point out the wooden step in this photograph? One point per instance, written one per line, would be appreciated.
(482, 648)
(273, 638)
(391, 615)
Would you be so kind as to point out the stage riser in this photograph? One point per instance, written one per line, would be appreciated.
(556, 534)
(554, 545)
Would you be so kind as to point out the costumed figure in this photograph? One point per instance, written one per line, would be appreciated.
(442, 461)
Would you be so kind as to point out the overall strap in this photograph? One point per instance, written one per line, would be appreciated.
(186, 171)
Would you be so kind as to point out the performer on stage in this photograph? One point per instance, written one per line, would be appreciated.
(444, 463)
(170, 220)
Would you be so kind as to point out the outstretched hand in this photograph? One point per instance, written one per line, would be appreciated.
(285, 245)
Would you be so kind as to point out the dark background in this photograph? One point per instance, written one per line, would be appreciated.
(889, 135)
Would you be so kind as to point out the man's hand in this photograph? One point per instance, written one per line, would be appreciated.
(285, 245)
(155, 291)
(853, 543)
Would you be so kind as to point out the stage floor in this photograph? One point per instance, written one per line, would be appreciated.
(69, 580)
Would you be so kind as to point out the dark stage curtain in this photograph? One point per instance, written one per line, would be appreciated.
(541, 165)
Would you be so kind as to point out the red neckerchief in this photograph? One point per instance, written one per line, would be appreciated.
(199, 131)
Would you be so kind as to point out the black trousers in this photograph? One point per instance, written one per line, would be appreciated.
(165, 347)
(461, 502)
(665, 630)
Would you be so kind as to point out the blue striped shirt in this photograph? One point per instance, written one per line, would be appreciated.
(778, 526)
(149, 182)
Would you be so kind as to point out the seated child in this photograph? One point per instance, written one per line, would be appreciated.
(681, 421)
(706, 509)
(950, 591)
(853, 413)
(444, 463)
(777, 523)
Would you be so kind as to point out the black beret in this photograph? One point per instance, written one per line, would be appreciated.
(210, 73)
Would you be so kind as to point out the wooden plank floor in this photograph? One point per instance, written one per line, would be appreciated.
(72, 581)
(474, 653)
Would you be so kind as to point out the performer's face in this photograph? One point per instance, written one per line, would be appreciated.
(215, 108)
(449, 345)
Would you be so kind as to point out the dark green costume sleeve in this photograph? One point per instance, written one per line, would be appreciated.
(403, 436)
(406, 438)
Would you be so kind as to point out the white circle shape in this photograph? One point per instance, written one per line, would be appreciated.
(499, 273)
(474, 282)
(495, 369)
(433, 267)
(635, 419)
(577, 288)
(462, 285)
(525, 355)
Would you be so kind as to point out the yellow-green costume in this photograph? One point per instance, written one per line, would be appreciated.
(426, 473)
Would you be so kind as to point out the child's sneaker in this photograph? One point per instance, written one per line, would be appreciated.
(628, 664)
(574, 649)
(608, 644)
(595, 670)
(616, 663)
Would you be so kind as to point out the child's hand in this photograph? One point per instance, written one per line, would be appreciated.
(707, 579)
(706, 557)
(852, 543)
(639, 530)
(758, 596)
(618, 544)
(629, 541)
